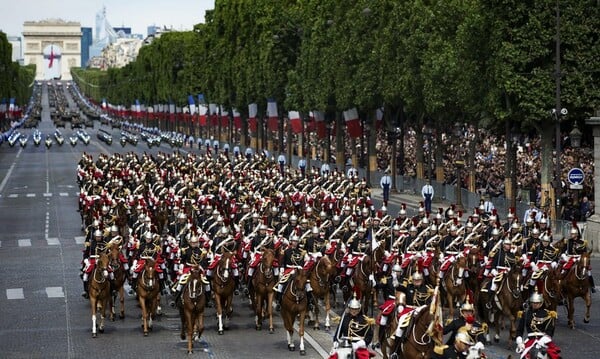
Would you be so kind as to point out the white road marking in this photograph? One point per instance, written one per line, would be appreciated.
(63, 194)
(53, 242)
(78, 239)
(5, 180)
(29, 195)
(24, 242)
(55, 292)
(15, 293)
(47, 194)
(13, 195)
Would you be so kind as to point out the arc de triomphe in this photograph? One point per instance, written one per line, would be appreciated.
(54, 46)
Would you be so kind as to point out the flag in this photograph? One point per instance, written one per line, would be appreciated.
(252, 112)
(51, 62)
(11, 105)
(273, 116)
(237, 119)
(379, 117)
(201, 100)
(224, 117)
(138, 109)
(436, 327)
(295, 122)
(353, 123)
(172, 112)
(212, 112)
(320, 124)
(192, 104)
(104, 103)
(202, 111)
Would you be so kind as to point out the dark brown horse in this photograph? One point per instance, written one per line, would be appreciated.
(121, 213)
(575, 283)
(99, 292)
(294, 305)
(419, 342)
(120, 274)
(474, 270)
(223, 285)
(361, 282)
(191, 307)
(453, 284)
(263, 282)
(549, 286)
(507, 302)
(320, 281)
(148, 290)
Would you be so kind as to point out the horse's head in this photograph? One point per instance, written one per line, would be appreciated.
(300, 278)
(268, 257)
(225, 264)
(461, 264)
(149, 267)
(473, 260)
(102, 264)
(326, 266)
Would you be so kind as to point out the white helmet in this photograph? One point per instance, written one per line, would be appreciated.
(97, 233)
(467, 307)
(354, 303)
(397, 268)
(114, 228)
(536, 298)
(417, 276)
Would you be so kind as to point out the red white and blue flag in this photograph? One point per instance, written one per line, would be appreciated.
(252, 113)
(353, 123)
(295, 122)
(319, 117)
(237, 119)
(51, 62)
(273, 116)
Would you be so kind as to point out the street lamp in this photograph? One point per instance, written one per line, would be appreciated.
(428, 132)
(459, 164)
(575, 136)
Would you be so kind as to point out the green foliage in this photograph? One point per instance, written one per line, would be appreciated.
(15, 80)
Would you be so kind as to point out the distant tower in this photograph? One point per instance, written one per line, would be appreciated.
(105, 34)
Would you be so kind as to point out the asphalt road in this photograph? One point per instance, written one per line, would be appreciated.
(42, 314)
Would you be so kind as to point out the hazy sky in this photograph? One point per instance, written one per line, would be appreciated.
(137, 14)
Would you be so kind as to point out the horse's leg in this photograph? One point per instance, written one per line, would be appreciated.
(122, 301)
(288, 324)
(301, 332)
(189, 319)
(513, 331)
(156, 306)
(327, 309)
(270, 295)
(93, 305)
(229, 308)
(257, 299)
(144, 315)
(183, 323)
(570, 310)
(103, 305)
(219, 306)
(290, 340)
(588, 304)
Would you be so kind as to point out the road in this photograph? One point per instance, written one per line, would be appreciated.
(44, 316)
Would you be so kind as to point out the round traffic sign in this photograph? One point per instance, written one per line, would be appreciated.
(575, 176)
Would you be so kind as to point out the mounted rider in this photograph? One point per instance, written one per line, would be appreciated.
(149, 248)
(536, 320)
(92, 251)
(293, 259)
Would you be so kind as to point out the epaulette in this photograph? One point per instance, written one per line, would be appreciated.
(369, 320)
(439, 349)
(520, 314)
(552, 314)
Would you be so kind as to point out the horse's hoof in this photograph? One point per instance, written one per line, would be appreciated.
(145, 334)
(122, 316)
(220, 332)
(291, 347)
(190, 352)
(271, 330)
(94, 335)
(586, 320)
(302, 352)
(327, 328)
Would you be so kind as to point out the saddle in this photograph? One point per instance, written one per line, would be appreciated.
(186, 277)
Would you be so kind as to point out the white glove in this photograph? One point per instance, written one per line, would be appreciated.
(335, 345)
(520, 345)
(494, 272)
(479, 346)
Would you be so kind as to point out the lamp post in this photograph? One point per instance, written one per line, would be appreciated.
(428, 132)
(459, 164)
(557, 112)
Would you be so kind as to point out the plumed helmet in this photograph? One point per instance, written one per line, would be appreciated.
(450, 213)
(255, 215)
(412, 229)
(510, 215)
(295, 238)
(97, 233)
(148, 235)
(284, 215)
(464, 338)
(545, 238)
(336, 218)
(322, 214)
(274, 209)
(362, 229)
(425, 220)
(384, 209)
(315, 230)
(293, 218)
(194, 239)
(397, 268)
(417, 276)
(536, 298)
(574, 230)
(507, 241)
(354, 303)
(396, 227)
(352, 224)
(467, 307)
(114, 228)
(535, 231)
(453, 228)
(105, 209)
(495, 232)
(224, 230)
(433, 228)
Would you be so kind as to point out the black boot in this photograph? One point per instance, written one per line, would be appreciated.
(592, 285)
(208, 299)
(249, 287)
(133, 285)
(163, 287)
(236, 291)
(86, 290)
(311, 300)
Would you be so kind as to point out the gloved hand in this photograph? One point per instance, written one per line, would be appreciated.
(479, 346)
(335, 345)
(520, 345)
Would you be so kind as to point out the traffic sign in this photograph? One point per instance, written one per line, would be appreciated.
(575, 177)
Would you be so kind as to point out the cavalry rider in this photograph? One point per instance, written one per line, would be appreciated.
(191, 257)
(500, 261)
(544, 257)
(354, 325)
(223, 242)
(537, 321)
(467, 323)
(358, 246)
(293, 258)
(460, 349)
(260, 241)
(91, 252)
(575, 246)
(148, 249)
(387, 284)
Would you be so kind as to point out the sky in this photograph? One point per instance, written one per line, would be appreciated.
(137, 14)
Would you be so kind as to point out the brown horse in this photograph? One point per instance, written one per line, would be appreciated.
(361, 282)
(191, 307)
(223, 285)
(453, 284)
(419, 342)
(575, 283)
(99, 292)
(549, 286)
(120, 274)
(121, 213)
(474, 270)
(263, 282)
(507, 302)
(148, 290)
(294, 305)
(320, 281)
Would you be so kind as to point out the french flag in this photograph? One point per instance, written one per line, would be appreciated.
(252, 113)
(224, 117)
(295, 122)
(192, 104)
(104, 103)
(212, 111)
(273, 116)
(11, 105)
(237, 119)
(353, 123)
(138, 109)
(202, 111)
(319, 117)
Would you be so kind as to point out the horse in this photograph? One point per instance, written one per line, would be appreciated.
(99, 292)
(507, 301)
(362, 282)
(549, 286)
(575, 283)
(453, 285)
(121, 213)
(120, 275)
(320, 281)
(418, 342)
(294, 304)
(263, 282)
(148, 290)
(191, 307)
(474, 270)
(223, 285)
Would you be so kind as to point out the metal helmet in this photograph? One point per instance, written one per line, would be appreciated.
(574, 230)
(181, 215)
(495, 232)
(467, 307)
(396, 227)
(148, 235)
(194, 239)
(535, 231)
(450, 213)
(425, 220)
(545, 238)
(315, 230)
(507, 241)
(294, 238)
(354, 303)
(114, 228)
(417, 276)
(224, 230)
(284, 215)
(336, 218)
(464, 338)
(384, 209)
(397, 268)
(412, 229)
(97, 233)
(536, 298)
